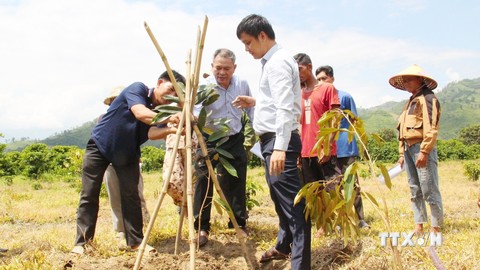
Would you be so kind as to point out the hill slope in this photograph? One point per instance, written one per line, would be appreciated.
(460, 102)
(78, 136)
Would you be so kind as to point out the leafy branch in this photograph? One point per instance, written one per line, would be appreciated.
(329, 202)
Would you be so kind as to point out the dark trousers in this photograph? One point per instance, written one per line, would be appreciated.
(343, 164)
(233, 188)
(313, 171)
(294, 233)
(93, 169)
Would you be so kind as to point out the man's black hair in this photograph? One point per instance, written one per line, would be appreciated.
(302, 59)
(178, 77)
(327, 69)
(253, 24)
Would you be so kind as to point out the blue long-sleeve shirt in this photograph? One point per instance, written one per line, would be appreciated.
(345, 149)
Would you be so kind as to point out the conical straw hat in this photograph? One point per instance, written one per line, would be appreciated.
(414, 70)
(113, 94)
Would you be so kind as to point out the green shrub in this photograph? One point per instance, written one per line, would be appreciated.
(254, 161)
(473, 151)
(386, 152)
(65, 160)
(452, 149)
(470, 135)
(472, 170)
(152, 158)
(34, 158)
(8, 180)
(251, 192)
(36, 185)
(12, 164)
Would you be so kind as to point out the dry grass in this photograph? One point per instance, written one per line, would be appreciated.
(38, 226)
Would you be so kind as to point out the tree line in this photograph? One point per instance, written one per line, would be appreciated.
(65, 162)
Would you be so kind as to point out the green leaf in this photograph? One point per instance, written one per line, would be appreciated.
(230, 169)
(377, 138)
(297, 199)
(218, 206)
(204, 91)
(349, 180)
(221, 141)
(216, 135)
(161, 117)
(210, 99)
(224, 153)
(168, 108)
(386, 176)
(170, 98)
(202, 118)
(370, 197)
(207, 130)
(351, 134)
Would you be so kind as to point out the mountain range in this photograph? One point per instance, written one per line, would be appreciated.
(460, 105)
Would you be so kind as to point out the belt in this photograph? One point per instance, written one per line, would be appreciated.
(270, 135)
(267, 136)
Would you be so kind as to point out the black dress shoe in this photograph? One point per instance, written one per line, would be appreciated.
(203, 238)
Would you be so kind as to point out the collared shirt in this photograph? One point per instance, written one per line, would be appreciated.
(278, 105)
(118, 135)
(223, 108)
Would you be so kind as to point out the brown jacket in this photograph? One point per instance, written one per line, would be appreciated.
(418, 122)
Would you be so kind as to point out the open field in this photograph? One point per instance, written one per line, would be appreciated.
(37, 225)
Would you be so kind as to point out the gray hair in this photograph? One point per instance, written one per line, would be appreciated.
(225, 53)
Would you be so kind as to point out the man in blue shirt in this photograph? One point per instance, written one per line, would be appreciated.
(276, 118)
(116, 139)
(228, 87)
(346, 152)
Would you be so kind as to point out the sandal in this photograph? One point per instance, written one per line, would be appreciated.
(78, 250)
(273, 254)
(148, 249)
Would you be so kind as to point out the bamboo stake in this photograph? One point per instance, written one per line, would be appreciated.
(184, 199)
(198, 58)
(196, 74)
(202, 144)
(213, 176)
(141, 248)
(167, 65)
(203, 147)
(182, 215)
(188, 148)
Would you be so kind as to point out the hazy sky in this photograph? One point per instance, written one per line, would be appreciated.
(59, 59)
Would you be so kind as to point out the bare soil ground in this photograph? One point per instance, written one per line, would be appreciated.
(37, 225)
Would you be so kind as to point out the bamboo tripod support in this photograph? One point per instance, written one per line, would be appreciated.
(188, 125)
(141, 249)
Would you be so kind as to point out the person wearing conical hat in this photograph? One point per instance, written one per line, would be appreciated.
(418, 127)
(112, 185)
